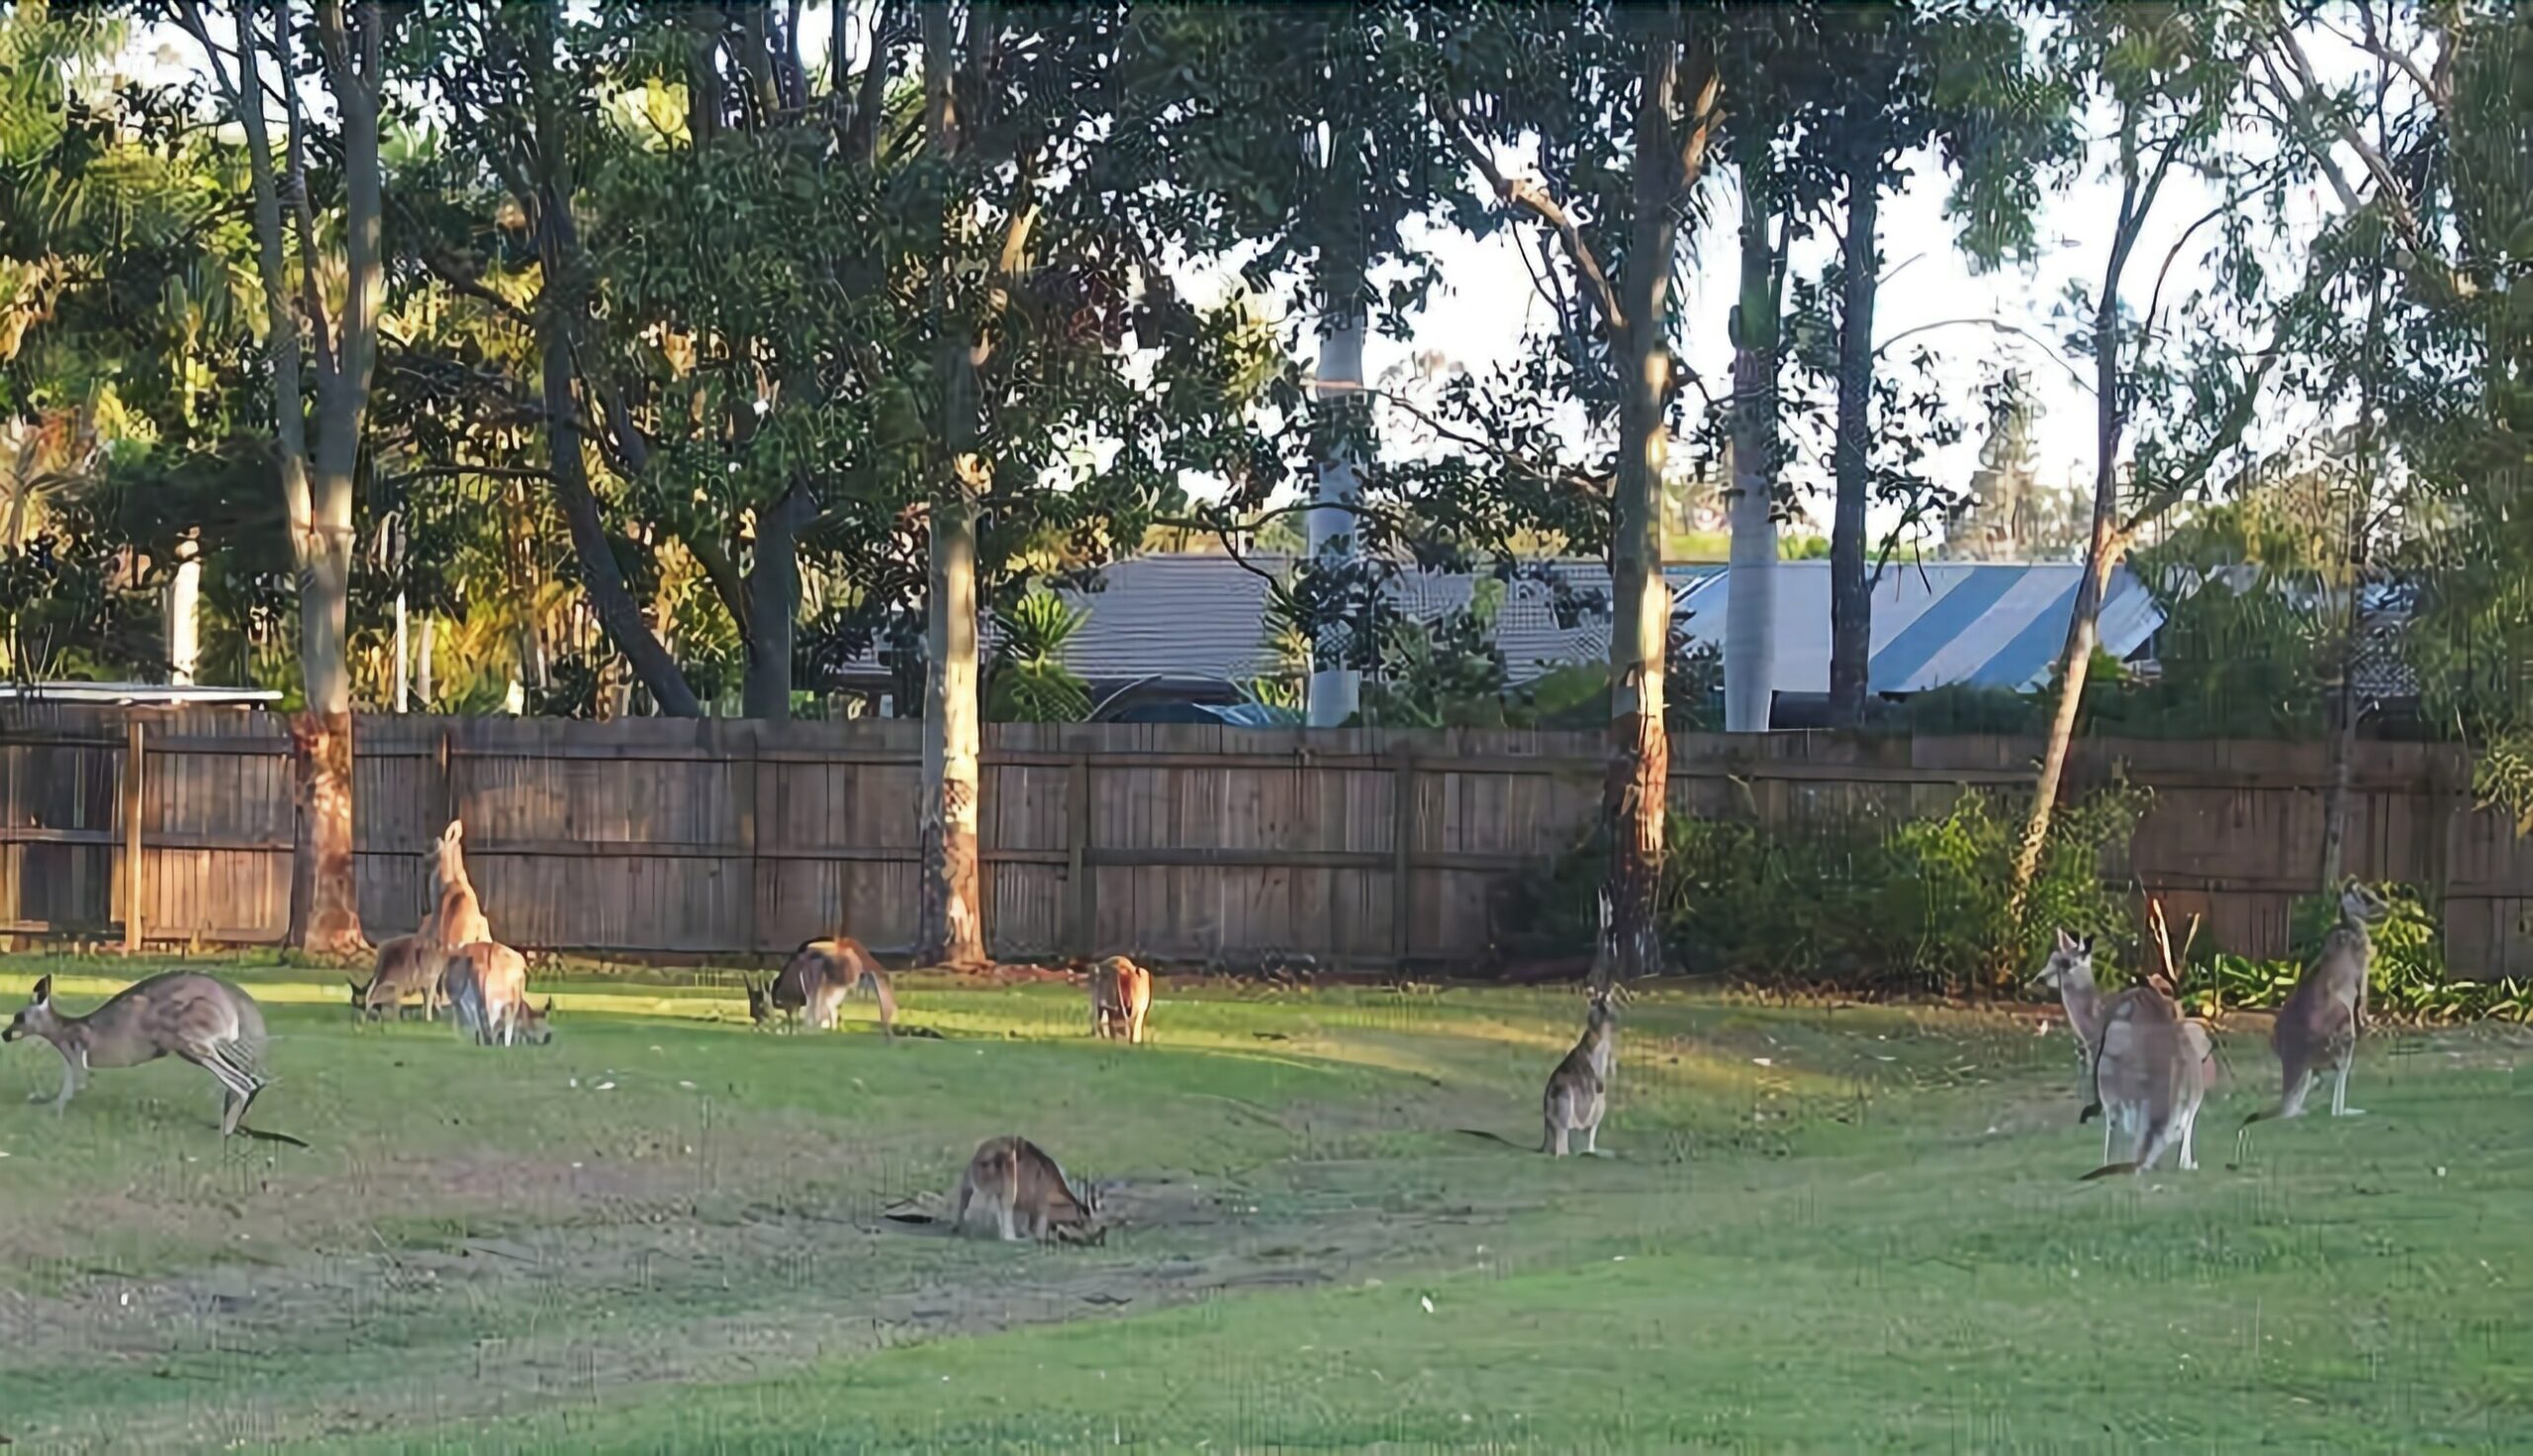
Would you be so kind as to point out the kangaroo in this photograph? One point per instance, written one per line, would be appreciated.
(1120, 995)
(2070, 971)
(209, 1023)
(1578, 1091)
(817, 979)
(486, 987)
(407, 966)
(457, 916)
(2150, 1072)
(2317, 1029)
(1027, 1190)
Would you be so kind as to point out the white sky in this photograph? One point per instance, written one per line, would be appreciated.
(1487, 301)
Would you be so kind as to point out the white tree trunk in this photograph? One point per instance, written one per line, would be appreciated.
(1750, 605)
(404, 657)
(184, 614)
(1336, 692)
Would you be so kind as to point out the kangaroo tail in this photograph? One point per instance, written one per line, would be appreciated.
(261, 1136)
(2107, 1170)
(2092, 1111)
(1492, 1137)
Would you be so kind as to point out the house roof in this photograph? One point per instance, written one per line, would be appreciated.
(1986, 624)
(1201, 619)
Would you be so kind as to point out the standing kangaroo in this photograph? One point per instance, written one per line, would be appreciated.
(2070, 971)
(486, 987)
(1578, 1091)
(209, 1023)
(405, 966)
(815, 981)
(2317, 1029)
(1026, 1191)
(1120, 996)
(2151, 1071)
(457, 916)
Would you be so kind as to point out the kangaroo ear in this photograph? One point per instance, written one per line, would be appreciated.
(549, 1006)
(2066, 942)
(43, 990)
(2084, 946)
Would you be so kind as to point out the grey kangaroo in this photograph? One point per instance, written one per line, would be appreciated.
(207, 1021)
(2317, 1029)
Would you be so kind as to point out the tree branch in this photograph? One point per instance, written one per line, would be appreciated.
(1530, 197)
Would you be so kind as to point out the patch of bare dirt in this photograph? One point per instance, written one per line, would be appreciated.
(492, 1327)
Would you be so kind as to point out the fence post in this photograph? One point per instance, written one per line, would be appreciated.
(134, 757)
(1402, 899)
(1086, 895)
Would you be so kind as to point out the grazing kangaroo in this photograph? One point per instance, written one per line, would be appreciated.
(457, 916)
(407, 966)
(1120, 995)
(209, 1023)
(2070, 971)
(486, 987)
(817, 979)
(1578, 1091)
(1027, 1190)
(2317, 1029)
(2150, 1070)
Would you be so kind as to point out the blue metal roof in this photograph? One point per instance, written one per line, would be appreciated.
(1993, 625)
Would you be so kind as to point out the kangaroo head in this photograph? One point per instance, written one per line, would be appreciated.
(760, 1000)
(2072, 960)
(2360, 904)
(37, 1018)
(1605, 1004)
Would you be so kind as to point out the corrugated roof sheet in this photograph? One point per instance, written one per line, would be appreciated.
(1997, 625)
(1202, 618)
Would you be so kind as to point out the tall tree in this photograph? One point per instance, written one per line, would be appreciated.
(1905, 77)
(323, 350)
(1636, 96)
(2429, 150)
(2170, 79)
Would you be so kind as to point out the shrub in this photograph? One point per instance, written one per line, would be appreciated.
(2407, 981)
(1862, 905)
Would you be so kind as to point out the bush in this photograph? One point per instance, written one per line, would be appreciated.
(1862, 905)
(2407, 981)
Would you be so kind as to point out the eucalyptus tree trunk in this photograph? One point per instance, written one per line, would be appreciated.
(1850, 590)
(1635, 794)
(1335, 688)
(950, 925)
(1750, 588)
(184, 613)
(2084, 624)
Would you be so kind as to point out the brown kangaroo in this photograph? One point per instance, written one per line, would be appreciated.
(815, 981)
(407, 966)
(1027, 1190)
(457, 916)
(486, 987)
(209, 1023)
(1120, 996)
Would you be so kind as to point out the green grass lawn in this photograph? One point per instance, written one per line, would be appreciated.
(1848, 1229)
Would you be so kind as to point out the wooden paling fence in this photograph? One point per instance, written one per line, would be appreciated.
(689, 840)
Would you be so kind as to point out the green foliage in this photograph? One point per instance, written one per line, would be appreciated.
(1864, 905)
(2408, 979)
(1030, 682)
